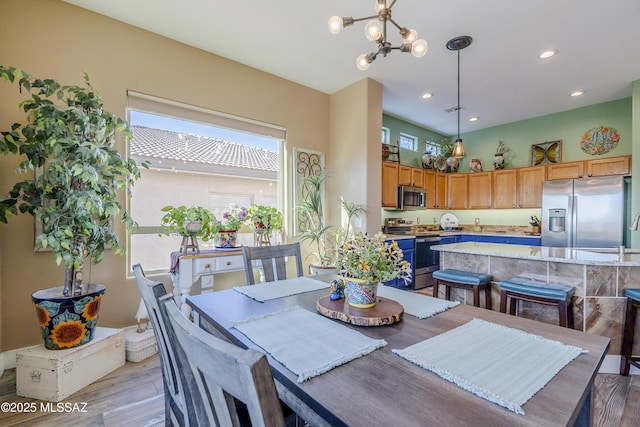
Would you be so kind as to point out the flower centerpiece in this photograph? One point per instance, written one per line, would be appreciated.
(365, 262)
(228, 227)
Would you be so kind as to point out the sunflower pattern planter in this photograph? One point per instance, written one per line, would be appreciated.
(67, 322)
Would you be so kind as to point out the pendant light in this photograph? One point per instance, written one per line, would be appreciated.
(457, 44)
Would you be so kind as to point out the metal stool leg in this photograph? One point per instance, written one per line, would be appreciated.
(627, 338)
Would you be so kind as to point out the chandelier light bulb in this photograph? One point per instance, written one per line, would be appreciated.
(335, 24)
(373, 30)
(362, 62)
(409, 36)
(419, 48)
(380, 4)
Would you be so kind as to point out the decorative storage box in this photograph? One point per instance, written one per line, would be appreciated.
(139, 345)
(54, 375)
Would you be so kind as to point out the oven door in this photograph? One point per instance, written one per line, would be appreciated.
(426, 260)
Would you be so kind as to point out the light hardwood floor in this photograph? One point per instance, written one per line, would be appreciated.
(132, 396)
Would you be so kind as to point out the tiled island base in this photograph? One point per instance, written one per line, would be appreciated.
(599, 279)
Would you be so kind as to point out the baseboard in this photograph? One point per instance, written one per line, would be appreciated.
(611, 365)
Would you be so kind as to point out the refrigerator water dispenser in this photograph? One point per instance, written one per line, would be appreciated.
(557, 220)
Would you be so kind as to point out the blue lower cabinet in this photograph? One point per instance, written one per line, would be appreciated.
(445, 240)
(408, 252)
(510, 240)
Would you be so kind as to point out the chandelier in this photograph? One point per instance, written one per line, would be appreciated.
(376, 31)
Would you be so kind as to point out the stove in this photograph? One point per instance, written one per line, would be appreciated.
(398, 226)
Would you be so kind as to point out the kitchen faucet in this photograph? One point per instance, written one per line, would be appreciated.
(634, 223)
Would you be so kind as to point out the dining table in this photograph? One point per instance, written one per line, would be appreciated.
(383, 389)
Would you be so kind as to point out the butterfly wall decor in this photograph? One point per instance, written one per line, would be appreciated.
(546, 153)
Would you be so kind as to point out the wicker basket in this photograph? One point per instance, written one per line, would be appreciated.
(139, 345)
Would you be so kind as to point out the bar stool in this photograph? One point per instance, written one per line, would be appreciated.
(519, 288)
(626, 359)
(451, 278)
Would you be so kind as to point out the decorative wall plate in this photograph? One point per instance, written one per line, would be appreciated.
(599, 140)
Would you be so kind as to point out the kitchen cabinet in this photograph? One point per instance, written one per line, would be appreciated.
(529, 181)
(505, 195)
(429, 184)
(389, 185)
(408, 175)
(597, 167)
(479, 195)
(457, 188)
(441, 190)
(509, 240)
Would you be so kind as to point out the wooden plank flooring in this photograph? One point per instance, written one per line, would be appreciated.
(132, 396)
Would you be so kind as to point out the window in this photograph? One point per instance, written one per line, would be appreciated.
(434, 148)
(385, 135)
(408, 142)
(195, 162)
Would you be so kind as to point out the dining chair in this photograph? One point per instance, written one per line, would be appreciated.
(224, 374)
(272, 260)
(174, 395)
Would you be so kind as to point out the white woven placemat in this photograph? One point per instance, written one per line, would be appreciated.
(503, 365)
(306, 343)
(415, 304)
(281, 288)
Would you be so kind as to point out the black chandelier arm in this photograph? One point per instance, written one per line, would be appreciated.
(392, 3)
(395, 24)
(354, 20)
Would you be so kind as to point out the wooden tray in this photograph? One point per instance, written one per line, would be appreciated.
(385, 312)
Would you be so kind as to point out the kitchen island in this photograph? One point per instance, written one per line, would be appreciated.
(599, 276)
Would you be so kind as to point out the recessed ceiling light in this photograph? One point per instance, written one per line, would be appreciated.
(427, 95)
(577, 93)
(548, 53)
(474, 119)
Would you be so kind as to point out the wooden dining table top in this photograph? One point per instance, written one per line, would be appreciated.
(382, 389)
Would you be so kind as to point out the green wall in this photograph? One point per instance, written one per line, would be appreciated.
(408, 157)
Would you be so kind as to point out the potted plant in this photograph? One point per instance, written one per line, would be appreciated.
(69, 140)
(365, 262)
(314, 230)
(499, 160)
(264, 220)
(228, 227)
(351, 211)
(190, 223)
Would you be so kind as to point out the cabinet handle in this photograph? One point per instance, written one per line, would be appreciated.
(228, 262)
(589, 175)
(207, 266)
(580, 176)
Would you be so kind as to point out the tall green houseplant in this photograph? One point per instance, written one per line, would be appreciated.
(68, 140)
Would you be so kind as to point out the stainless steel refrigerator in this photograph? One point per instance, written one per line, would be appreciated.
(583, 213)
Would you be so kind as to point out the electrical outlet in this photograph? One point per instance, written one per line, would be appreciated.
(206, 282)
(357, 222)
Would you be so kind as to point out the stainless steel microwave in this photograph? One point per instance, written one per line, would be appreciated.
(411, 198)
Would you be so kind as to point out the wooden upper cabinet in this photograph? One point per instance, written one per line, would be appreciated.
(480, 190)
(441, 190)
(568, 170)
(417, 177)
(505, 189)
(457, 189)
(429, 184)
(404, 175)
(609, 166)
(530, 186)
(389, 185)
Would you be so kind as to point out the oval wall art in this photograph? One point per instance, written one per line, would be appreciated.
(599, 140)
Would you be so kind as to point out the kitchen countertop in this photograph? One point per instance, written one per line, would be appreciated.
(458, 233)
(586, 256)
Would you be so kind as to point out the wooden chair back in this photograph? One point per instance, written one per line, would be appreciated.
(272, 259)
(175, 399)
(223, 372)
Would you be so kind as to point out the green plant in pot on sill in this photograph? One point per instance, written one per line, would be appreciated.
(68, 140)
(189, 221)
(264, 220)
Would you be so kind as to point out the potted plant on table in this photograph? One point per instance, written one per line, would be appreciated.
(190, 223)
(365, 262)
(264, 220)
(228, 227)
(69, 141)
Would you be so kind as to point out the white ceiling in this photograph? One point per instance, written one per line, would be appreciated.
(502, 80)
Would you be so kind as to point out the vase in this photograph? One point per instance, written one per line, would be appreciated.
(453, 164)
(427, 160)
(67, 322)
(193, 227)
(498, 162)
(475, 165)
(227, 238)
(360, 293)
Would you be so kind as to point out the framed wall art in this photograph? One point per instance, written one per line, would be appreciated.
(546, 153)
(305, 163)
